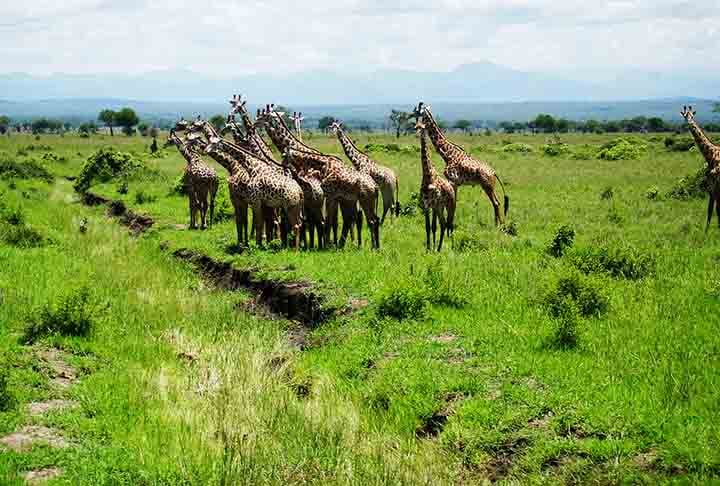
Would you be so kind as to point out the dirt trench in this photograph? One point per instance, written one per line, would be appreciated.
(136, 223)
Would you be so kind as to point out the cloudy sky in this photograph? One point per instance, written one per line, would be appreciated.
(240, 37)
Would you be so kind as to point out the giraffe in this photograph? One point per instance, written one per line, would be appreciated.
(238, 104)
(202, 183)
(711, 153)
(297, 119)
(311, 185)
(460, 168)
(238, 181)
(266, 187)
(384, 177)
(342, 184)
(438, 195)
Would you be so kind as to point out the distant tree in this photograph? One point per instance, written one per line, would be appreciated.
(324, 123)
(656, 124)
(442, 124)
(87, 128)
(716, 108)
(108, 118)
(218, 121)
(463, 125)
(127, 119)
(562, 125)
(507, 127)
(4, 124)
(399, 121)
(545, 123)
(45, 125)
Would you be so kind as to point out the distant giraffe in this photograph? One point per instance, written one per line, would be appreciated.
(266, 187)
(297, 120)
(711, 153)
(384, 177)
(460, 168)
(238, 181)
(438, 195)
(344, 186)
(201, 180)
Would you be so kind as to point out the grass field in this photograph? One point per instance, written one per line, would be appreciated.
(491, 361)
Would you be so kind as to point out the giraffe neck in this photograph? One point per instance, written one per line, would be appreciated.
(190, 156)
(254, 140)
(247, 121)
(356, 157)
(709, 150)
(289, 140)
(236, 132)
(249, 161)
(208, 130)
(280, 139)
(229, 163)
(445, 147)
(428, 170)
(313, 161)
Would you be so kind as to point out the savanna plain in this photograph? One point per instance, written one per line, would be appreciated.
(576, 344)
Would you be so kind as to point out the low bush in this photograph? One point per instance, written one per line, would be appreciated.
(622, 149)
(618, 262)
(518, 148)
(510, 228)
(443, 290)
(105, 165)
(679, 144)
(653, 193)
(27, 169)
(52, 158)
(391, 148)
(555, 149)
(21, 236)
(224, 210)
(404, 299)
(72, 316)
(563, 241)
(586, 297)
(583, 152)
(693, 186)
(141, 197)
(180, 187)
(7, 401)
(412, 207)
(566, 320)
(466, 241)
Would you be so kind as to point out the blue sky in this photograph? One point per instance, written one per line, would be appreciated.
(575, 38)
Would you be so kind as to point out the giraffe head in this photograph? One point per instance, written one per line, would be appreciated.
(336, 126)
(688, 113)
(237, 103)
(181, 125)
(419, 126)
(195, 141)
(419, 111)
(213, 145)
(172, 139)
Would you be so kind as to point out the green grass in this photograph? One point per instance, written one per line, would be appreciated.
(463, 389)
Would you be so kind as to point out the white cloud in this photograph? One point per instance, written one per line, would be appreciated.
(226, 37)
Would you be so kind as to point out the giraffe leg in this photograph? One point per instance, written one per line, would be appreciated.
(495, 204)
(717, 208)
(258, 220)
(294, 221)
(359, 225)
(213, 194)
(434, 226)
(191, 201)
(387, 195)
(244, 219)
(427, 229)
(443, 226)
(711, 204)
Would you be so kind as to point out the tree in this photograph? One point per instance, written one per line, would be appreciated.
(656, 124)
(463, 125)
(507, 127)
(127, 119)
(108, 118)
(143, 129)
(218, 122)
(543, 122)
(399, 121)
(325, 122)
(4, 124)
(86, 129)
(716, 108)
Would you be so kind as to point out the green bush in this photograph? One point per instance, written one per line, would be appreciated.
(555, 149)
(27, 169)
(224, 210)
(618, 262)
(411, 207)
(7, 401)
(391, 148)
(141, 197)
(510, 228)
(403, 300)
(653, 193)
(72, 316)
(105, 165)
(622, 149)
(679, 144)
(21, 236)
(443, 290)
(12, 216)
(180, 187)
(563, 240)
(587, 298)
(607, 194)
(518, 148)
(567, 320)
(467, 241)
(693, 186)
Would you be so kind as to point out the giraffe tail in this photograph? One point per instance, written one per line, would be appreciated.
(506, 198)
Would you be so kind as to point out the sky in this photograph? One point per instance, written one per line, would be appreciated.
(576, 38)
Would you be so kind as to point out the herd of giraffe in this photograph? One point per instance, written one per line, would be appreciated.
(306, 190)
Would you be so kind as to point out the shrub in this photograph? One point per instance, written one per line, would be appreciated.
(7, 401)
(692, 186)
(180, 187)
(607, 194)
(586, 297)
(622, 149)
(72, 316)
(563, 240)
(403, 300)
(615, 217)
(141, 197)
(391, 148)
(679, 144)
(583, 152)
(52, 158)
(555, 147)
(104, 165)
(518, 148)
(653, 193)
(443, 290)
(21, 236)
(12, 216)
(622, 262)
(224, 210)
(27, 169)
(565, 333)
(123, 188)
(411, 207)
(510, 228)
(465, 241)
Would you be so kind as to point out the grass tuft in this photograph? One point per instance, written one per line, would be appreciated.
(72, 316)
(619, 262)
(403, 300)
(563, 241)
(586, 296)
